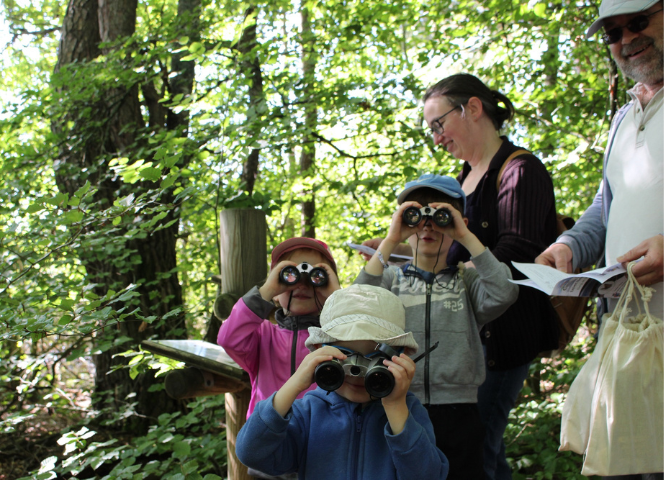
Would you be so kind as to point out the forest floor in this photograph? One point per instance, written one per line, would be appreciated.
(22, 451)
(31, 436)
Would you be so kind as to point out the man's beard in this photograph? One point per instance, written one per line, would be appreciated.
(648, 70)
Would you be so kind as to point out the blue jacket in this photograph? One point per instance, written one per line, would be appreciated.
(324, 436)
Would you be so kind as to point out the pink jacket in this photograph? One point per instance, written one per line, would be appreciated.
(269, 353)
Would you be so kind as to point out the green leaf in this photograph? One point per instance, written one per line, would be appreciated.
(190, 467)
(150, 173)
(181, 449)
(80, 193)
(34, 208)
(196, 48)
(169, 181)
(59, 200)
(73, 216)
(136, 359)
(66, 303)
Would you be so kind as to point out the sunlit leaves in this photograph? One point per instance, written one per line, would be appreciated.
(374, 60)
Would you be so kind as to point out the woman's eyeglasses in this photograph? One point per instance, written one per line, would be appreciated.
(635, 25)
(436, 126)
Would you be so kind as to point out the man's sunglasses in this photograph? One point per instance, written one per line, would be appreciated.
(635, 25)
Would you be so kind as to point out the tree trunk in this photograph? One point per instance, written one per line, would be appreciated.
(251, 68)
(117, 133)
(308, 155)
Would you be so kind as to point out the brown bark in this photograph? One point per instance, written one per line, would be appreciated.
(251, 68)
(308, 155)
(88, 22)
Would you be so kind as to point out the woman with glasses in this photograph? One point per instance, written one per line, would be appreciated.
(511, 209)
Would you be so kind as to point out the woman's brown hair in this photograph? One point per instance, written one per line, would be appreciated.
(459, 88)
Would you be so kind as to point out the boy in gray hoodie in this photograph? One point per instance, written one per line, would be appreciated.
(447, 304)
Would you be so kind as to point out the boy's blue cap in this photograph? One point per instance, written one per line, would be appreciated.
(447, 185)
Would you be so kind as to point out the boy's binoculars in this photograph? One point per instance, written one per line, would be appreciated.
(412, 216)
(378, 380)
(292, 274)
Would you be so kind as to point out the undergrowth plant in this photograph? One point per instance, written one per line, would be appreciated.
(178, 446)
(532, 436)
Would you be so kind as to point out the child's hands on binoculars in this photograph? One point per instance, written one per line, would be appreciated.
(286, 277)
(304, 375)
(442, 217)
(403, 370)
(401, 367)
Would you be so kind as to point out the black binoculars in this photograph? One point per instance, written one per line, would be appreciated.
(292, 274)
(412, 216)
(378, 380)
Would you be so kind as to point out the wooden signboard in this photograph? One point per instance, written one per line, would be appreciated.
(210, 370)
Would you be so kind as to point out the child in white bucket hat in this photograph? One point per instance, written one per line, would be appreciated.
(347, 433)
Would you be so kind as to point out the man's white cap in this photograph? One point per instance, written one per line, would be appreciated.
(611, 8)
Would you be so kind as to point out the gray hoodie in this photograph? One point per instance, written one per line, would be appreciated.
(449, 308)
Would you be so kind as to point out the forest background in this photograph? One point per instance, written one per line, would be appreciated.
(127, 126)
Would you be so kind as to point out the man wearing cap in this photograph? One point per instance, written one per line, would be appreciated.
(626, 218)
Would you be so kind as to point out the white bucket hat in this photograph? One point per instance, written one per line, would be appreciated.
(611, 8)
(363, 312)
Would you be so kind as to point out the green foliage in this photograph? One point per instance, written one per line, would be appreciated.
(189, 446)
(532, 437)
(78, 210)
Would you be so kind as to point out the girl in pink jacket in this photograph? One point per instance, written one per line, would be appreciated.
(271, 353)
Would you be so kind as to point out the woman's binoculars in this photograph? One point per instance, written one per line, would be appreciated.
(412, 216)
(292, 274)
(378, 380)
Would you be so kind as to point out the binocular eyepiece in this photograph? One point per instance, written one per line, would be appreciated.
(412, 216)
(378, 380)
(292, 274)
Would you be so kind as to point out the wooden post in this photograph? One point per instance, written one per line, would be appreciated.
(243, 250)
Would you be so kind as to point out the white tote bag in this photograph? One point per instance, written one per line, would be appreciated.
(621, 394)
(577, 409)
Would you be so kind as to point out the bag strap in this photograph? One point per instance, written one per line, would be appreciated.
(509, 159)
(629, 294)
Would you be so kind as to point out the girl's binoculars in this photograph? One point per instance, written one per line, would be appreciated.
(442, 217)
(292, 274)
